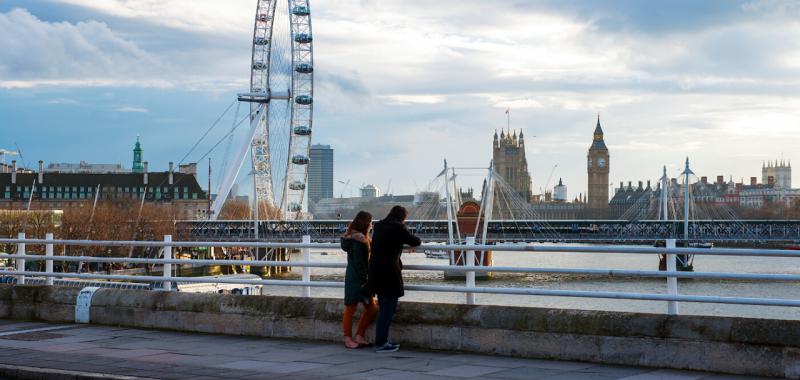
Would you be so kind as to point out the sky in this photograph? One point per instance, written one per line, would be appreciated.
(401, 85)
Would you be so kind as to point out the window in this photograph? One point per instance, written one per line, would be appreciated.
(194, 195)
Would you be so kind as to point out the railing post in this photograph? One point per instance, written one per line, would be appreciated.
(21, 262)
(48, 264)
(470, 261)
(306, 269)
(167, 267)
(672, 281)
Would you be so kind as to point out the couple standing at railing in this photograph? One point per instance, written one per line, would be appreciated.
(374, 268)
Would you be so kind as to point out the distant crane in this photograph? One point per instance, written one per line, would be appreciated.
(4, 153)
(346, 185)
(549, 178)
(24, 164)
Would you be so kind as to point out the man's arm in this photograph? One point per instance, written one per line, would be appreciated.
(410, 239)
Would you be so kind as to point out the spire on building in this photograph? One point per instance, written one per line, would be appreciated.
(137, 166)
(598, 143)
(598, 130)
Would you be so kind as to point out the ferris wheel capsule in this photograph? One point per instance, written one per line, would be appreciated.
(304, 68)
(297, 185)
(302, 130)
(303, 38)
(300, 159)
(301, 11)
(303, 99)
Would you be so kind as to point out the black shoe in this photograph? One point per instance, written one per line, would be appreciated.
(387, 347)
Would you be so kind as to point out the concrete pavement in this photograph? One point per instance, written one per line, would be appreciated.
(67, 351)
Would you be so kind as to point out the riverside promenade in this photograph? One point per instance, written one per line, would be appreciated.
(33, 350)
(237, 336)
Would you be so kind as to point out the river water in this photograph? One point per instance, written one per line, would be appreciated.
(729, 288)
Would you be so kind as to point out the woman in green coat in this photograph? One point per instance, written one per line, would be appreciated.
(356, 243)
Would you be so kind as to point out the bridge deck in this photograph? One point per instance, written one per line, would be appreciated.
(34, 350)
(609, 231)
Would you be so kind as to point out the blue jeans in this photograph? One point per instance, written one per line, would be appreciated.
(388, 306)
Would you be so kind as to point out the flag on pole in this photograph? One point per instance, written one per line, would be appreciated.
(507, 109)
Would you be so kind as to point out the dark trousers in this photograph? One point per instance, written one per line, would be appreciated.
(388, 306)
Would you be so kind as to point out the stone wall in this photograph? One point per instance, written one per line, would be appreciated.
(730, 345)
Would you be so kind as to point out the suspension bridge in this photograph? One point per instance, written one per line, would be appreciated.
(520, 231)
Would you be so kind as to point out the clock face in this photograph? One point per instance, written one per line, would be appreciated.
(601, 162)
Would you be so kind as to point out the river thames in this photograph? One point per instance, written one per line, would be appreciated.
(726, 288)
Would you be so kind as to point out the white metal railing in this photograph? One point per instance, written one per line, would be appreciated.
(672, 296)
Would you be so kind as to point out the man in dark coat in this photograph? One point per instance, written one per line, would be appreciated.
(385, 270)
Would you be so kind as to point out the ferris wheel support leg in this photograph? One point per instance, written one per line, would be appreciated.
(233, 170)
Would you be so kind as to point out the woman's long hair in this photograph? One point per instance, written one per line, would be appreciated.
(361, 223)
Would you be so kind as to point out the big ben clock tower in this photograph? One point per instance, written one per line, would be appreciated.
(598, 167)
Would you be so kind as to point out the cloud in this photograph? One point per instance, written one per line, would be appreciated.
(63, 101)
(191, 15)
(132, 109)
(405, 100)
(40, 53)
(693, 78)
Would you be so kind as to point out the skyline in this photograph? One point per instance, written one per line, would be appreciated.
(667, 85)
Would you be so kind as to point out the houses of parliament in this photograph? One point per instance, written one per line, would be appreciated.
(510, 163)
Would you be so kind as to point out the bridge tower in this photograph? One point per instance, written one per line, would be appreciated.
(598, 161)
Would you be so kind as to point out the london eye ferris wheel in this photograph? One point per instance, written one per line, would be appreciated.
(281, 108)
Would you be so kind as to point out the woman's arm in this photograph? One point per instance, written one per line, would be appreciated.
(361, 261)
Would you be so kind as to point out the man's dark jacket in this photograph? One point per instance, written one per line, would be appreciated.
(385, 267)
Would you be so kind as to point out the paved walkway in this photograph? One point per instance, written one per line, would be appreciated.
(36, 350)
